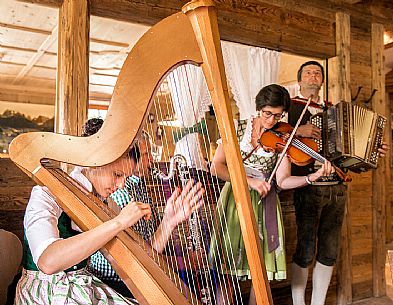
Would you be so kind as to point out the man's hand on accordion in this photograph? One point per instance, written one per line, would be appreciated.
(383, 150)
(308, 131)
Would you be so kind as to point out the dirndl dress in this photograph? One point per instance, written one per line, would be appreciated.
(227, 251)
(78, 287)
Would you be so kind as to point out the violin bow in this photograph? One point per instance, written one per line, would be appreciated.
(284, 151)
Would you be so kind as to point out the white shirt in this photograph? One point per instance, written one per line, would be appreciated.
(42, 214)
(314, 110)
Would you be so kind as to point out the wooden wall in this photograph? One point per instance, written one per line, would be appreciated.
(15, 188)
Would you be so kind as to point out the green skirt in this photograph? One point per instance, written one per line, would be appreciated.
(227, 252)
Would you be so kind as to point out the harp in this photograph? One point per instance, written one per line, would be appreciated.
(188, 37)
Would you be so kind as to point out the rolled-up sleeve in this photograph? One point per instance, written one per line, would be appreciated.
(40, 222)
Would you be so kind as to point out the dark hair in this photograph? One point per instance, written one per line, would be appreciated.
(134, 153)
(309, 63)
(93, 125)
(274, 96)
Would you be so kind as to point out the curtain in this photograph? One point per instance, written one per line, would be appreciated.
(248, 69)
(191, 101)
(293, 89)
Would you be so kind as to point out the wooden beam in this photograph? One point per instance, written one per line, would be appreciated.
(24, 28)
(277, 28)
(54, 33)
(254, 23)
(14, 48)
(343, 42)
(44, 96)
(20, 97)
(379, 11)
(344, 263)
(28, 95)
(379, 195)
(73, 67)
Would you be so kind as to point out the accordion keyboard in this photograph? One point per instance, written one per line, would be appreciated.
(351, 136)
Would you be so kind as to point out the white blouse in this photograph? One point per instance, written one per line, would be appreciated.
(42, 214)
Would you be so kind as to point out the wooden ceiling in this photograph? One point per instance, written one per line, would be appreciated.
(28, 53)
(28, 36)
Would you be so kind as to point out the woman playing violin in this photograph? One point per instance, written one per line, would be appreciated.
(271, 104)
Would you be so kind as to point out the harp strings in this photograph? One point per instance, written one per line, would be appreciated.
(199, 225)
(183, 248)
(177, 97)
(206, 226)
(188, 112)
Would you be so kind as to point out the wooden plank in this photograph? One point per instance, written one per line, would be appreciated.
(362, 290)
(389, 209)
(254, 23)
(380, 174)
(381, 11)
(358, 55)
(344, 270)
(73, 67)
(28, 97)
(36, 57)
(15, 188)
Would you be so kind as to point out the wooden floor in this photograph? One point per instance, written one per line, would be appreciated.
(375, 301)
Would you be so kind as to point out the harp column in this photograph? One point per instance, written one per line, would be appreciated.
(203, 18)
(379, 179)
(72, 88)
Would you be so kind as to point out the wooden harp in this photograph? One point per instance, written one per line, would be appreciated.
(190, 36)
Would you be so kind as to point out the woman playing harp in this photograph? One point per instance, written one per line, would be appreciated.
(55, 252)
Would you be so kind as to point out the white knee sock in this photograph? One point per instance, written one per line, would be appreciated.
(298, 284)
(320, 283)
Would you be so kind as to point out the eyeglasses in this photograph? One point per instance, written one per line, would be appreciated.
(268, 114)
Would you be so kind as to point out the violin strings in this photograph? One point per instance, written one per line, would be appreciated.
(303, 147)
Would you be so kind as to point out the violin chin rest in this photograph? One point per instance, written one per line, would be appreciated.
(269, 149)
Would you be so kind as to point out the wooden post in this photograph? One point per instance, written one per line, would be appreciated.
(379, 195)
(343, 62)
(73, 67)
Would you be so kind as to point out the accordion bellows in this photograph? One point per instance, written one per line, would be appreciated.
(351, 136)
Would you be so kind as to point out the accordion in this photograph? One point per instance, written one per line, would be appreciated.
(351, 136)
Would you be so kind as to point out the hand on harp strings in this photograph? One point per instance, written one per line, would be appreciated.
(141, 208)
(184, 204)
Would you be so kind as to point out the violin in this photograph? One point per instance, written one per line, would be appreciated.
(301, 151)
